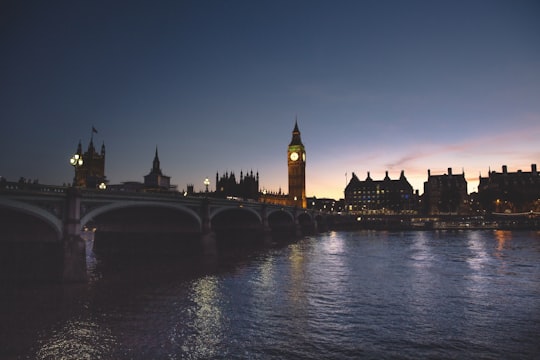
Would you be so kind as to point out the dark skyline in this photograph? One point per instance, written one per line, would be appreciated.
(376, 86)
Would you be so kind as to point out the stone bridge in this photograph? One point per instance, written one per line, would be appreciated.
(52, 217)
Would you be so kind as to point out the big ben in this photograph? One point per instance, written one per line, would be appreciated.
(296, 161)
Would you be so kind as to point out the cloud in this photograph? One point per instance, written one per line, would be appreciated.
(507, 144)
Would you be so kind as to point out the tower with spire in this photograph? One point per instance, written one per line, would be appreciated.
(91, 173)
(296, 163)
(155, 180)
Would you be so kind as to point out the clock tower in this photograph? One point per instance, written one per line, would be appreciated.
(296, 163)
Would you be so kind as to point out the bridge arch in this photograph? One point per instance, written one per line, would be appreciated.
(281, 221)
(134, 204)
(41, 214)
(217, 211)
(304, 217)
(282, 213)
(235, 223)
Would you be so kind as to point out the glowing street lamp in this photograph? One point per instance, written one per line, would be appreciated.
(102, 186)
(76, 161)
(206, 183)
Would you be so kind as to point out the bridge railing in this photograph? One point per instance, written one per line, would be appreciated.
(20, 186)
(23, 187)
(174, 196)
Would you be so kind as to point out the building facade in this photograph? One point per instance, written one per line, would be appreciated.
(276, 198)
(510, 192)
(296, 167)
(246, 188)
(326, 204)
(296, 164)
(445, 194)
(155, 180)
(385, 196)
(90, 173)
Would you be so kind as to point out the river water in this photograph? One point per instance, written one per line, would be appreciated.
(339, 295)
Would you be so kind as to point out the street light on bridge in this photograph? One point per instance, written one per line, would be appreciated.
(206, 183)
(76, 161)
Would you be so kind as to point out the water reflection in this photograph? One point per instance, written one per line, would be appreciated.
(207, 321)
(331, 282)
(331, 273)
(296, 290)
(423, 284)
(340, 296)
(77, 339)
(333, 244)
(502, 236)
(479, 256)
(478, 282)
(265, 281)
(421, 251)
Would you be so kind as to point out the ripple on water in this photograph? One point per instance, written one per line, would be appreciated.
(339, 296)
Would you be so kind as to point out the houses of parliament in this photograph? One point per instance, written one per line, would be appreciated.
(90, 173)
(504, 192)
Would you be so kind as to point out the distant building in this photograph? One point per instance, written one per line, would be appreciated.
(380, 196)
(325, 204)
(127, 186)
(155, 180)
(274, 197)
(296, 162)
(296, 166)
(246, 188)
(510, 192)
(91, 173)
(445, 194)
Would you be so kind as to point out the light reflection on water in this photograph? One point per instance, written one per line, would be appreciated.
(77, 339)
(205, 326)
(340, 295)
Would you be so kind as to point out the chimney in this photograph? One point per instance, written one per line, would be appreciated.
(533, 169)
(428, 172)
(450, 171)
(505, 169)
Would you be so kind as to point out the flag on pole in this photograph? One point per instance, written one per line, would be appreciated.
(94, 130)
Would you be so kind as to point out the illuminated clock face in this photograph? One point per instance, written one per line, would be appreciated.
(304, 156)
(294, 156)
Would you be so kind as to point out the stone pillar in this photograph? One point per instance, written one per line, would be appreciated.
(314, 226)
(297, 226)
(208, 237)
(74, 257)
(266, 229)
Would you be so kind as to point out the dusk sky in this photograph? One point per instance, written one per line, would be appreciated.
(216, 85)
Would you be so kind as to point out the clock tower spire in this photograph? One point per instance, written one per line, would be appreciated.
(296, 162)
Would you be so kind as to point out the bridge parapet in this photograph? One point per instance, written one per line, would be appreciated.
(68, 209)
(8, 186)
(49, 203)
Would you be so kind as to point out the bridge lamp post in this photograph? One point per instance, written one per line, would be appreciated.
(76, 161)
(102, 186)
(206, 183)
